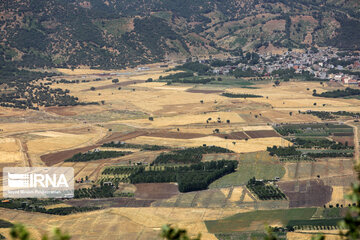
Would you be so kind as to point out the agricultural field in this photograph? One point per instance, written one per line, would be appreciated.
(147, 119)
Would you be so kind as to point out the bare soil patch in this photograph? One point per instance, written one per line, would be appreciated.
(311, 193)
(262, 134)
(156, 191)
(178, 135)
(344, 139)
(233, 135)
(110, 202)
(54, 158)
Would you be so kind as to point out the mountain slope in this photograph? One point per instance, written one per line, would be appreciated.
(119, 33)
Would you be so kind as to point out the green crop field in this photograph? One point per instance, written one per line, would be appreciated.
(257, 220)
(259, 165)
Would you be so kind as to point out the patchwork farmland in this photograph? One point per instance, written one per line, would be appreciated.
(171, 133)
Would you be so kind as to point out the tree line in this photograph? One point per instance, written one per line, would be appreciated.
(95, 155)
(189, 155)
(189, 178)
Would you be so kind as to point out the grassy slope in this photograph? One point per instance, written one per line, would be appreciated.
(259, 165)
(257, 220)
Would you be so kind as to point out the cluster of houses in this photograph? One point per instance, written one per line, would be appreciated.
(317, 63)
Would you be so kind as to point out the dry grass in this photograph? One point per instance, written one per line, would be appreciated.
(236, 194)
(240, 146)
(121, 223)
(187, 119)
(55, 141)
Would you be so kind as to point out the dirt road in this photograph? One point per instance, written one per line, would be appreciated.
(356, 141)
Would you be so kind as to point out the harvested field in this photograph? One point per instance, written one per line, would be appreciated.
(205, 91)
(238, 146)
(344, 139)
(233, 135)
(311, 193)
(57, 157)
(110, 202)
(262, 134)
(73, 110)
(156, 190)
(177, 135)
(187, 119)
(117, 85)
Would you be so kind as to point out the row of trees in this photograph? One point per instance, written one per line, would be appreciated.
(189, 178)
(283, 151)
(348, 92)
(95, 155)
(320, 143)
(242, 95)
(137, 146)
(38, 205)
(265, 191)
(189, 155)
(332, 115)
(104, 191)
(121, 170)
(330, 154)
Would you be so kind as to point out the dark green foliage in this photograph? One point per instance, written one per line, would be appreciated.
(64, 33)
(96, 155)
(348, 35)
(220, 63)
(321, 115)
(318, 129)
(179, 75)
(319, 143)
(345, 113)
(95, 192)
(283, 151)
(121, 170)
(137, 146)
(68, 210)
(330, 154)
(37, 205)
(5, 224)
(194, 67)
(287, 74)
(348, 92)
(265, 191)
(25, 93)
(314, 223)
(233, 95)
(189, 155)
(189, 178)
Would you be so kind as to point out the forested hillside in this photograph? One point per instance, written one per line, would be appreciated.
(119, 33)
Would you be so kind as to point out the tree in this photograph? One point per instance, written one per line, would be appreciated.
(19, 232)
(170, 233)
(92, 88)
(115, 80)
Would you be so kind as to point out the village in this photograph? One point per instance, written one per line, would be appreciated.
(321, 64)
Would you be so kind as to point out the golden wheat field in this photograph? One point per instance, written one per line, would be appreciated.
(140, 112)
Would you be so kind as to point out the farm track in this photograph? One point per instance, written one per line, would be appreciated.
(356, 142)
(24, 149)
